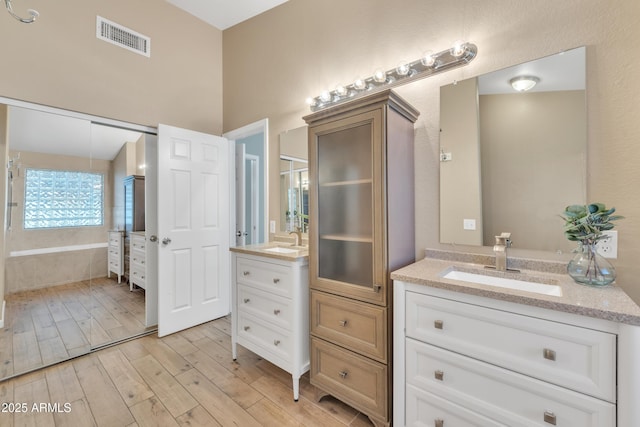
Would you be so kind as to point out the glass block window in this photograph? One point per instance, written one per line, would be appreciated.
(55, 198)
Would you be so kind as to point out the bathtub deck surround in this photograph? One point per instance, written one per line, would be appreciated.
(498, 355)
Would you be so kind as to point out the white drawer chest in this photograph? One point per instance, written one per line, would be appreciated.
(137, 260)
(270, 311)
(469, 360)
(115, 254)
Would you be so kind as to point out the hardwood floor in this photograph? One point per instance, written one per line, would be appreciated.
(184, 379)
(47, 325)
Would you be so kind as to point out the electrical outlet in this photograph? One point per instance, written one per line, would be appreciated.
(272, 226)
(608, 246)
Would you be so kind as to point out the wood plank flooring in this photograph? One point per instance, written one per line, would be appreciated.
(185, 379)
(48, 325)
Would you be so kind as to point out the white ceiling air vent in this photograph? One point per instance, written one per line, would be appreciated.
(122, 36)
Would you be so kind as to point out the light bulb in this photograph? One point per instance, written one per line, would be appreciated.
(325, 96)
(379, 76)
(403, 68)
(311, 102)
(359, 84)
(428, 59)
(341, 90)
(458, 49)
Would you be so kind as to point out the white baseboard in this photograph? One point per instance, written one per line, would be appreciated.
(2, 315)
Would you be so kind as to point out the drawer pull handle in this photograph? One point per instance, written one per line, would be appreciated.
(439, 375)
(246, 300)
(438, 324)
(549, 354)
(276, 342)
(276, 311)
(246, 328)
(439, 422)
(276, 280)
(549, 417)
(246, 273)
(343, 374)
(343, 323)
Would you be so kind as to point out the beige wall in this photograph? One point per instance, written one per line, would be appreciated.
(58, 61)
(460, 183)
(274, 61)
(518, 194)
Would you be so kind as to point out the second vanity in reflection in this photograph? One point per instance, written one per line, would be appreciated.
(270, 305)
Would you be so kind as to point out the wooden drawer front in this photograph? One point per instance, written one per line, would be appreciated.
(503, 395)
(584, 359)
(137, 276)
(115, 239)
(270, 307)
(114, 265)
(138, 243)
(426, 409)
(358, 326)
(273, 339)
(356, 380)
(138, 257)
(270, 277)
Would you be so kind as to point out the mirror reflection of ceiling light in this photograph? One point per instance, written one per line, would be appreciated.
(461, 53)
(523, 83)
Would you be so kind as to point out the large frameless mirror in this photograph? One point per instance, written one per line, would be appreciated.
(510, 160)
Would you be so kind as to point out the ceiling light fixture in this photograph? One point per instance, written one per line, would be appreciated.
(524, 83)
(461, 53)
(34, 13)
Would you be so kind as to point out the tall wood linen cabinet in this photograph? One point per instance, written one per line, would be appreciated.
(361, 228)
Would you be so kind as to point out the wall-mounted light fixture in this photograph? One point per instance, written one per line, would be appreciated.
(524, 83)
(461, 53)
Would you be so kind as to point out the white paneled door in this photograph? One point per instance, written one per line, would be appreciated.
(193, 228)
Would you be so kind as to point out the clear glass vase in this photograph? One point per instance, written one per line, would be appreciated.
(590, 268)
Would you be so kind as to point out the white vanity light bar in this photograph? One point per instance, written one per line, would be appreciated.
(461, 53)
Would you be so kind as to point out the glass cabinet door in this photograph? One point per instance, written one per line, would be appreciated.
(347, 210)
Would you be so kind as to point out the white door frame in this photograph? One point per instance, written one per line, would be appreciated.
(260, 126)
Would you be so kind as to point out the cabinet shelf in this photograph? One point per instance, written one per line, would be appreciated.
(347, 238)
(345, 183)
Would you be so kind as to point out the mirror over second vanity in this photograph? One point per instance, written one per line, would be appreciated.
(511, 161)
(294, 180)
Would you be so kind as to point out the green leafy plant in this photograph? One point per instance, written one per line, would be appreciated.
(585, 223)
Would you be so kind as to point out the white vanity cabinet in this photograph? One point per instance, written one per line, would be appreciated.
(466, 360)
(270, 311)
(115, 253)
(137, 260)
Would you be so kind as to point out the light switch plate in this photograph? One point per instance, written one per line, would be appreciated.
(272, 226)
(469, 224)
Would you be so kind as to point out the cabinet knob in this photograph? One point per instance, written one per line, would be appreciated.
(439, 422)
(343, 323)
(276, 280)
(438, 324)
(276, 342)
(549, 417)
(246, 300)
(549, 354)
(246, 328)
(276, 311)
(377, 288)
(246, 273)
(343, 374)
(439, 375)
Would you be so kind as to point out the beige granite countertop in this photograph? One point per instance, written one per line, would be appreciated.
(608, 302)
(264, 249)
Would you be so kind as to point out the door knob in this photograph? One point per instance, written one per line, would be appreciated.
(153, 238)
(240, 233)
(166, 241)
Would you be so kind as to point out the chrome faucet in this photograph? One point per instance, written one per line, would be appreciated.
(503, 241)
(298, 233)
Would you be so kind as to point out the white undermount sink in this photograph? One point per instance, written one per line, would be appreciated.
(502, 282)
